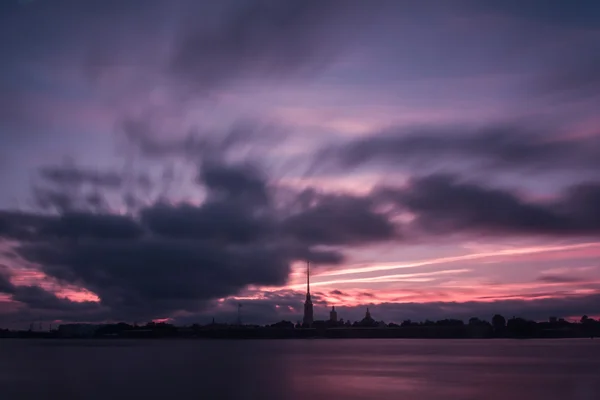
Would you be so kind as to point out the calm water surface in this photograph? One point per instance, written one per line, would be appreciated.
(300, 369)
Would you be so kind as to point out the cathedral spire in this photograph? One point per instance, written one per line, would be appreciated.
(308, 306)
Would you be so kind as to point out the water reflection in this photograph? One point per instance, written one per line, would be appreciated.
(317, 369)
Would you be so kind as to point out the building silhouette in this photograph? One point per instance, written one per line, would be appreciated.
(333, 315)
(308, 305)
(367, 321)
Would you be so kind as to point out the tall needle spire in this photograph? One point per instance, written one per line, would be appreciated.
(308, 306)
(308, 277)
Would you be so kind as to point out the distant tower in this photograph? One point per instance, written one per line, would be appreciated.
(367, 320)
(333, 315)
(308, 305)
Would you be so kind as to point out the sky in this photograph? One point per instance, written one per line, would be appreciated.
(167, 160)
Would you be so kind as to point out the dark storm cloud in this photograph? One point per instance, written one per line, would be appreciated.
(39, 299)
(42, 301)
(97, 226)
(219, 221)
(242, 183)
(236, 195)
(159, 274)
(21, 226)
(494, 147)
(228, 223)
(5, 285)
(301, 251)
(28, 226)
(445, 204)
(339, 219)
(181, 257)
(237, 210)
(174, 257)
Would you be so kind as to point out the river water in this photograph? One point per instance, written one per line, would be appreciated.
(300, 369)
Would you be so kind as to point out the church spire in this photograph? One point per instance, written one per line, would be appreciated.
(308, 306)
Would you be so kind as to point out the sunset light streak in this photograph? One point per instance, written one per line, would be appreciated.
(466, 257)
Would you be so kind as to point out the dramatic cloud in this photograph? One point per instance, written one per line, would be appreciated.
(21, 226)
(216, 220)
(69, 225)
(334, 220)
(179, 257)
(444, 204)
(37, 298)
(5, 285)
(42, 303)
(159, 276)
(95, 226)
(71, 188)
(241, 183)
(496, 147)
(175, 257)
(212, 147)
